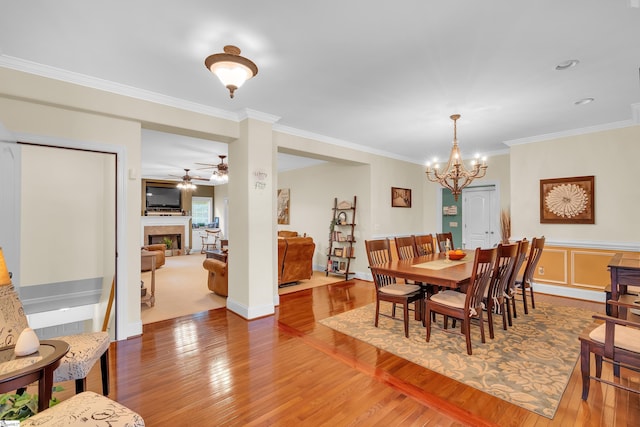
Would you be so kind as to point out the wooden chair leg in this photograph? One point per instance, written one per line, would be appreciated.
(466, 326)
(585, 368)
(428, 323)
(377, 312)
(104, 369)
(533, 302)
(405, 312)
(524, 298)
(504, 315)
(490, 308)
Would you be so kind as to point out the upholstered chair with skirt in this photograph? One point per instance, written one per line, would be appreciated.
(84, 349)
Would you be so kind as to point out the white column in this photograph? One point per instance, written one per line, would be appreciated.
(252, 224)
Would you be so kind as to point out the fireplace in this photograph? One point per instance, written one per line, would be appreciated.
(176, 239)
(177, 228)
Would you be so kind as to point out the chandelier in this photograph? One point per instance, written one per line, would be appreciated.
(456, 177)
(231, 68)
(220, 173)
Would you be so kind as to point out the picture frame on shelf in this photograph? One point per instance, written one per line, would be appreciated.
(400, 197)
(567, 200)
(338, 251)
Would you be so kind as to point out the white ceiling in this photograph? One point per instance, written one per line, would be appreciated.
(382, 75)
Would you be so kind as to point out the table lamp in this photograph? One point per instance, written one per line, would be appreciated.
(5, 279)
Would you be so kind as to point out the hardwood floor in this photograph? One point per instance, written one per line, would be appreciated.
(215, 368)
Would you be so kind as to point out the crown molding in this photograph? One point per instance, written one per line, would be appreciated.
(248, 113)
(338, 142)
(575, 132)
(112, 87)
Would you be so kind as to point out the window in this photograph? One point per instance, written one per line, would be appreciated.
(201, 210)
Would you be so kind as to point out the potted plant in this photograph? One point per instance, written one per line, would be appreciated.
(168, 243)
(15, 406)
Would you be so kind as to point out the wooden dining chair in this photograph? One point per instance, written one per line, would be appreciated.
(405, 247)
(441, 238)
(465, 306)
(511, 294)
(616, 341)
(424, 244)
(537, 245)
(379, 252)
(497, 289)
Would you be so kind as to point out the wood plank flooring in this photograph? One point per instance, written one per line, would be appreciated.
(215, 368)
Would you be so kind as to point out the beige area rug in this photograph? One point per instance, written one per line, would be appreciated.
(529, 365)
(181, 289)
(318, 279)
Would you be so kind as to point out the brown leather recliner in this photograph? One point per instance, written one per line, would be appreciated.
(218, 281)
(295, 259)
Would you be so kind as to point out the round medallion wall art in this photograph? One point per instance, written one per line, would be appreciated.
(567, 200)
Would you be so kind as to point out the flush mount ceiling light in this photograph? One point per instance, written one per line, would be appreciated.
(231, 68)
(456, 177)
(565, 65)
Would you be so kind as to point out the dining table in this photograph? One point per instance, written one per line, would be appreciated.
(434, 269)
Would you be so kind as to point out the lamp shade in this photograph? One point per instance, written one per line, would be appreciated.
(4, 273)
(231, 68)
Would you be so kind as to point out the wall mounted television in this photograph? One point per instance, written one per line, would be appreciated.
(163, 197)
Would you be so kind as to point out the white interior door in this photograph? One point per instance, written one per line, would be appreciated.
(480, 217)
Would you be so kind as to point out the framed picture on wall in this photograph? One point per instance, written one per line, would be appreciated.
(284, 200)
(567, 200)
(400, 197)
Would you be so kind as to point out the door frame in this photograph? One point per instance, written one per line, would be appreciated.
(482, 183)
(121, 307)
(495, 210)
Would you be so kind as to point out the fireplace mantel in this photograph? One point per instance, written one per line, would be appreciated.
(154, 225)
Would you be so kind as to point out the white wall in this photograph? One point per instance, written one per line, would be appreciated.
(68, 226)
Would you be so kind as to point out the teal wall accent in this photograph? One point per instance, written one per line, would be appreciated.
(456, 232)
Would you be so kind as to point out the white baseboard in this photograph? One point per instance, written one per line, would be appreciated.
(250, 313)
(563, 291)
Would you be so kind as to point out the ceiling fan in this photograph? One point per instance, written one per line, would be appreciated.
(186, 183)
(220, 173)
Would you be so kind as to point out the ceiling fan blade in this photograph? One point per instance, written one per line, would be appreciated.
(207, 165)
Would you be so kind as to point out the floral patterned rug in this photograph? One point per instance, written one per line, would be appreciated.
(529, 365)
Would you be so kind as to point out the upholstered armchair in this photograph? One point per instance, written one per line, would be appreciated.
(218, 280)
(157, 249)
(83, 407)
(84, 349)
